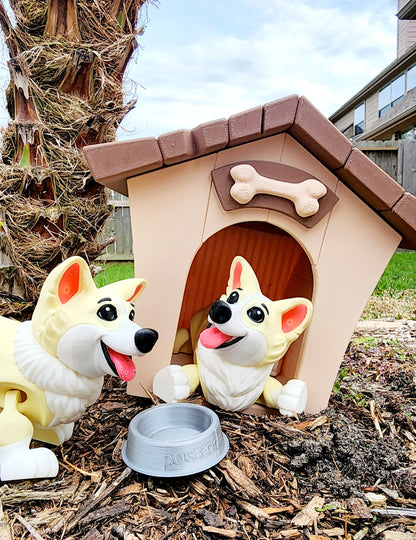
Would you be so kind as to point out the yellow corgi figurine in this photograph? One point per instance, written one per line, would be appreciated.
(52, 367)
(247, 334)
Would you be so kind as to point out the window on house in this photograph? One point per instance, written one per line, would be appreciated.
(391, 94)
(384, 100)
(397, 89)
(411, 78)
(359, 117)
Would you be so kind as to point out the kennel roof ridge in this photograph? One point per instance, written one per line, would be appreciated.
(113, 163)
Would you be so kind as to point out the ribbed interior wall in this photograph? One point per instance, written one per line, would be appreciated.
(279, 262)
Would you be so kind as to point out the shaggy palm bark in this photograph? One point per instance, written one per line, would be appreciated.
(67, 60)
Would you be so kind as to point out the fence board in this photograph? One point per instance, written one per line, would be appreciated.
(386, 160)
(408, 158)
(396, 158)
(118, 225)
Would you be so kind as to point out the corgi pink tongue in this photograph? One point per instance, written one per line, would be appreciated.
(124, 365)
(211, 338)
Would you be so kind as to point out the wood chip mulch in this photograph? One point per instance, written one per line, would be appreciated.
(346, 473)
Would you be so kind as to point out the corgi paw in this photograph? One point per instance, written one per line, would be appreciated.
(171, 384)
(292, 398)
(18, 462)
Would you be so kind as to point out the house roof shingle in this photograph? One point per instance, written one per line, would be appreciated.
(113, 163)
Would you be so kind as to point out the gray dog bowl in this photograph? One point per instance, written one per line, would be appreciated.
(175, 439)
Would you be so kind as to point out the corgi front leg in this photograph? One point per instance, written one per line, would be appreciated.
(290, 399)
(17, 460)
(174, 383)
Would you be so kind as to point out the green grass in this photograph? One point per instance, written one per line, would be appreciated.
(114, 272)
(399, 275)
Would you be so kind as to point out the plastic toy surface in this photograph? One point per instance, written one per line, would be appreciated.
(246, 335)
(52, 367)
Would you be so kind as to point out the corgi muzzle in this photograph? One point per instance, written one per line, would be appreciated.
(212, 337)
(122, 364)
(220, 312)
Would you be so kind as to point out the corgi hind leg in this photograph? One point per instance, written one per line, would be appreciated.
(17, 460)
(271, 390)
(53, 435)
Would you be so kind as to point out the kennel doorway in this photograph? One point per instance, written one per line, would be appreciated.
(281, 265)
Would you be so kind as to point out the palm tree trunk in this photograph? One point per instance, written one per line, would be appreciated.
(67, 61)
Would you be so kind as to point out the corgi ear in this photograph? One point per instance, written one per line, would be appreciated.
(127, 289)
(296, 314)
(70, 278)
(242, 276)
(69, 283)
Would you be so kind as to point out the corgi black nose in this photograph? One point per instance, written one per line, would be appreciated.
(220, 312)
(145, 338)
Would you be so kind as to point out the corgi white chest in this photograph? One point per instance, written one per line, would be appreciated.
(67, 393)
(229, 386)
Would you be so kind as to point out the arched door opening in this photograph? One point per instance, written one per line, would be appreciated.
(282, 267)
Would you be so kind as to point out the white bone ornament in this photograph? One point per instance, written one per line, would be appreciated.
(304, 195)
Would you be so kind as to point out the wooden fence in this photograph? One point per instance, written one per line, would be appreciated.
(397, 158)
(118, 225)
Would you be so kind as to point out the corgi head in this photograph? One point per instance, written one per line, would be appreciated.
(247, 328)
(90, 329)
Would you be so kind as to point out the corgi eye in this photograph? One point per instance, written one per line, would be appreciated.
(131, 315)
(107, 313)
(256, 314)
(233, 298)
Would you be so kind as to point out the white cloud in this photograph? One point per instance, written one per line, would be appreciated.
(325, 52)
(322, 49)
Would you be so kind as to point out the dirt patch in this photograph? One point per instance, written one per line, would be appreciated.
(349, 472)
(344, 458)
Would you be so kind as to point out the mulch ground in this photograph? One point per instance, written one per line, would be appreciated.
(347, 473)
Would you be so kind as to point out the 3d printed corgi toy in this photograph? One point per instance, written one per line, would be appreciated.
(246, 335)
(52, 367)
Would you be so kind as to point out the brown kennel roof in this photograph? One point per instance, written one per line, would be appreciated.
(113, 163)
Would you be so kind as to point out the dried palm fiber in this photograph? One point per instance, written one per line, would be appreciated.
(67, 60)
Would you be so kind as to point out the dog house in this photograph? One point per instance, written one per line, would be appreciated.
(188, 224)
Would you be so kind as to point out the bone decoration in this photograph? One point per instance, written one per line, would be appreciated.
(304, 195)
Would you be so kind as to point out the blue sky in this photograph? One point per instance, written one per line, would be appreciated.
(200, 60)
(206, 59)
